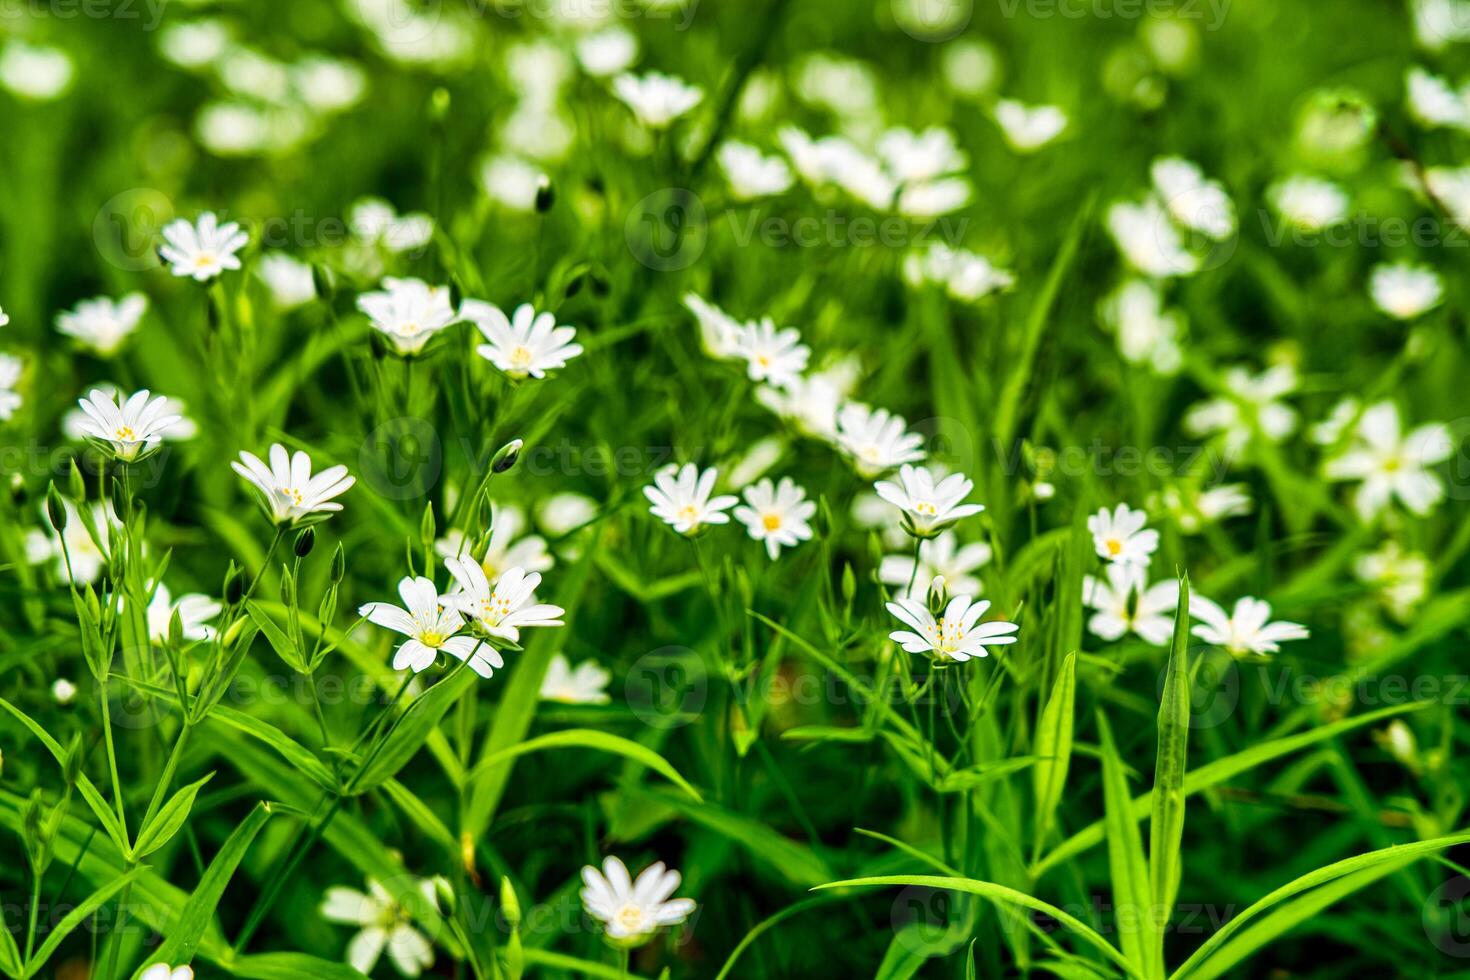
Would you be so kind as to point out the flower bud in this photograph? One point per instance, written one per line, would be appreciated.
(849, 583)
(439, 103)
(444, 895)
(175, 629)
(17, 489)
(545, 195)
(55, 509)
(938, 595)
(233, 633)
(233, 589)
(305, 541)
(510, 904)
(76, 486)
(339, 564)
(72, 764)
(323, 282)
(507, 456)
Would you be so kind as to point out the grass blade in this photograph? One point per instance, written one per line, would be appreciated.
(1166, 827)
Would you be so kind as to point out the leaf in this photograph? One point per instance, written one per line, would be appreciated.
(10, 963)
(284, 646)
(406, 737)
(587, 738)
(76, 917)
(1054, 746)
(290, 966)
(793, 861)
(1166, 826)
(420, 814)
(1126, 864)
(770, 923)
(1002, 895)
(161, 829)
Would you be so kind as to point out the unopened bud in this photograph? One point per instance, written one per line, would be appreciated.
(545, 195)
(305, 541)
(439, 103)
(72, 765)
(76, 486)
(938, 595)
(55, 509)
(234, 588)
(339, 564)
(233, 633)
(849, 583)
(507, 456)
(323, 282)
(509, 904)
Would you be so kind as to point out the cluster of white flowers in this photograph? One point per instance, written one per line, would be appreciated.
(914, 174)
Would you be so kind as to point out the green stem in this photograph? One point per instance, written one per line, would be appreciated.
(35, 914)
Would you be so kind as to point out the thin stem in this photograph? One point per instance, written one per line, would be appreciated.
(35, 913)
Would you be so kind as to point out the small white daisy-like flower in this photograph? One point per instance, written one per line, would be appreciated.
(195, 611)
(1029, 128)
(776, 357)
(502, 611)
(943, 557)
(408, 312)
(957, 634)
(1393, 464)
(289, 493)
(632, 911)
(1125, 603)
(430, 626)
(876, 439)
(376, 222)
(606, 52)
(1253, 398)
(681, 498)
(526, 344)
(1119, 535)
(586, 684)
(74, 547)
(162, 971)
(1146, 331)
(204, 249)
(1194, 201)
(35, 72)
(287, 279)
(63, 691)
(928, 505)
(1309, 203)
(130, 429)
(1401, 577)
(965, 276)
(912, 158)
(1149, 240)
(655, 98)
(719, 332)
(1404, 290)
(74, 423)
(11, 368)
(810, 402)
(777, 515)
(1194, 509)
(750, 173)
(383, 923)
(102, 324)
(1247, 630)
(506, 548)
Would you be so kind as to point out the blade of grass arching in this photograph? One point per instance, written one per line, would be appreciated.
(1127, 866)
(1054, 750)
(1166, 826)
(795, 862)
(75, 917)
(770, 923)
(1390, 856)
(288, 966)
(586, 738)
(1214, 773)
(912, 851)
(1003, 896)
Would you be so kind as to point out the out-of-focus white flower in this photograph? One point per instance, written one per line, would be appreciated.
(776, 357)
(876, 439)
(719, 332)
(1147, 332)
(128, 429)
(102, 324)
(1247, 630)
(1253, 398)
(87, 557)
(538, 130)
(1309, 203)
(502, 610)
(506, 548)
(1029, 128)
(328, 84)
(777, 515)
(287, 279)
(681, 498)
(162, 971)
(928, 504)
(846, 86)
(971, 68)
(929, 199)
(912, 157)
(1125, 603)
(4, 318)
(1404, 290)
(63, 691)
(243, 129)
(1401, 577)
(750, 173)
(632, 911)
(1438, 23)
(511, 181)
(1195, 202)
(1451, 187)
(384, 923)
(194, 44)
(413, 36)
(965, 276)
(195, 611)
(1119, 535)
(288, 493)
(958, 634)
(820, 161)
(526, 343)
(35, 72)
(604, 53)
(757, 460)
(1392, 464)
(1433, 102)
(375, 222)
(810, 402)
(562, 513)
(408, 312)
(1149, 240)
(655, 98)
(942, 557)
(11, 368)
(586, 684)
(204, 249)
(252, 74)
(1194, 509)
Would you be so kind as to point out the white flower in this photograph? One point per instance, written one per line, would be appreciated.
(844, 85)
(1451, 187)
(195, 610)
(876, 440)
(1401, 577)
(1125, 603)
(1440, 22)
(681, 498)
(971, 68)
(103, 324)
(774, 356)
(75, 422)
(1149, 240)
(526, 344)
(63, 691)
(505, 549)
(1404, 290)
(328, 84)
(1119, 535)
(288, 491)
(1309, 203)
(203, 250)
(912, 157)
(810, 402)
(562, 513)
(928, 505)
(1029, 128)
(719, 332)
(1146, 331)
(820, 161)
(1393, 464)
(502, 611)
(1433, 102)
(162, 971)
(11, 368)
(383, 923)
(587, 684)
(632, 910)
(4, 318)
(1195, 202)
(942, 557)
(194, 44)
(511, 181)
(408, 312)
(430, 625)
(1246, 630)
(776, 515)
(958, 634)
(932, 198)
(376, 222)
(751, 173)
(132, 428)
(287, 279)
(75, 545)
(964, 275)
(655, 98)
(35, 72)
(1193, 509)
(607, 52)
(1253, 398)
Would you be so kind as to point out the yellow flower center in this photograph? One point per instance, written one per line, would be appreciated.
(1114, 546)
(432, 639)
(688, 513)
(927, 509)
(124, 433)
(631, 918)
(204, 260)
(771, 521)
(521, 357)
(494, 609)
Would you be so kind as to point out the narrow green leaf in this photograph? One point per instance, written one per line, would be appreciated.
(587, 738)
(1054, 746)
(793, 861)
(413, 729)
(1127, 866)
(279, 640)
(1166, 827)
(290, 966)
(161, 829)
(76, 917)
